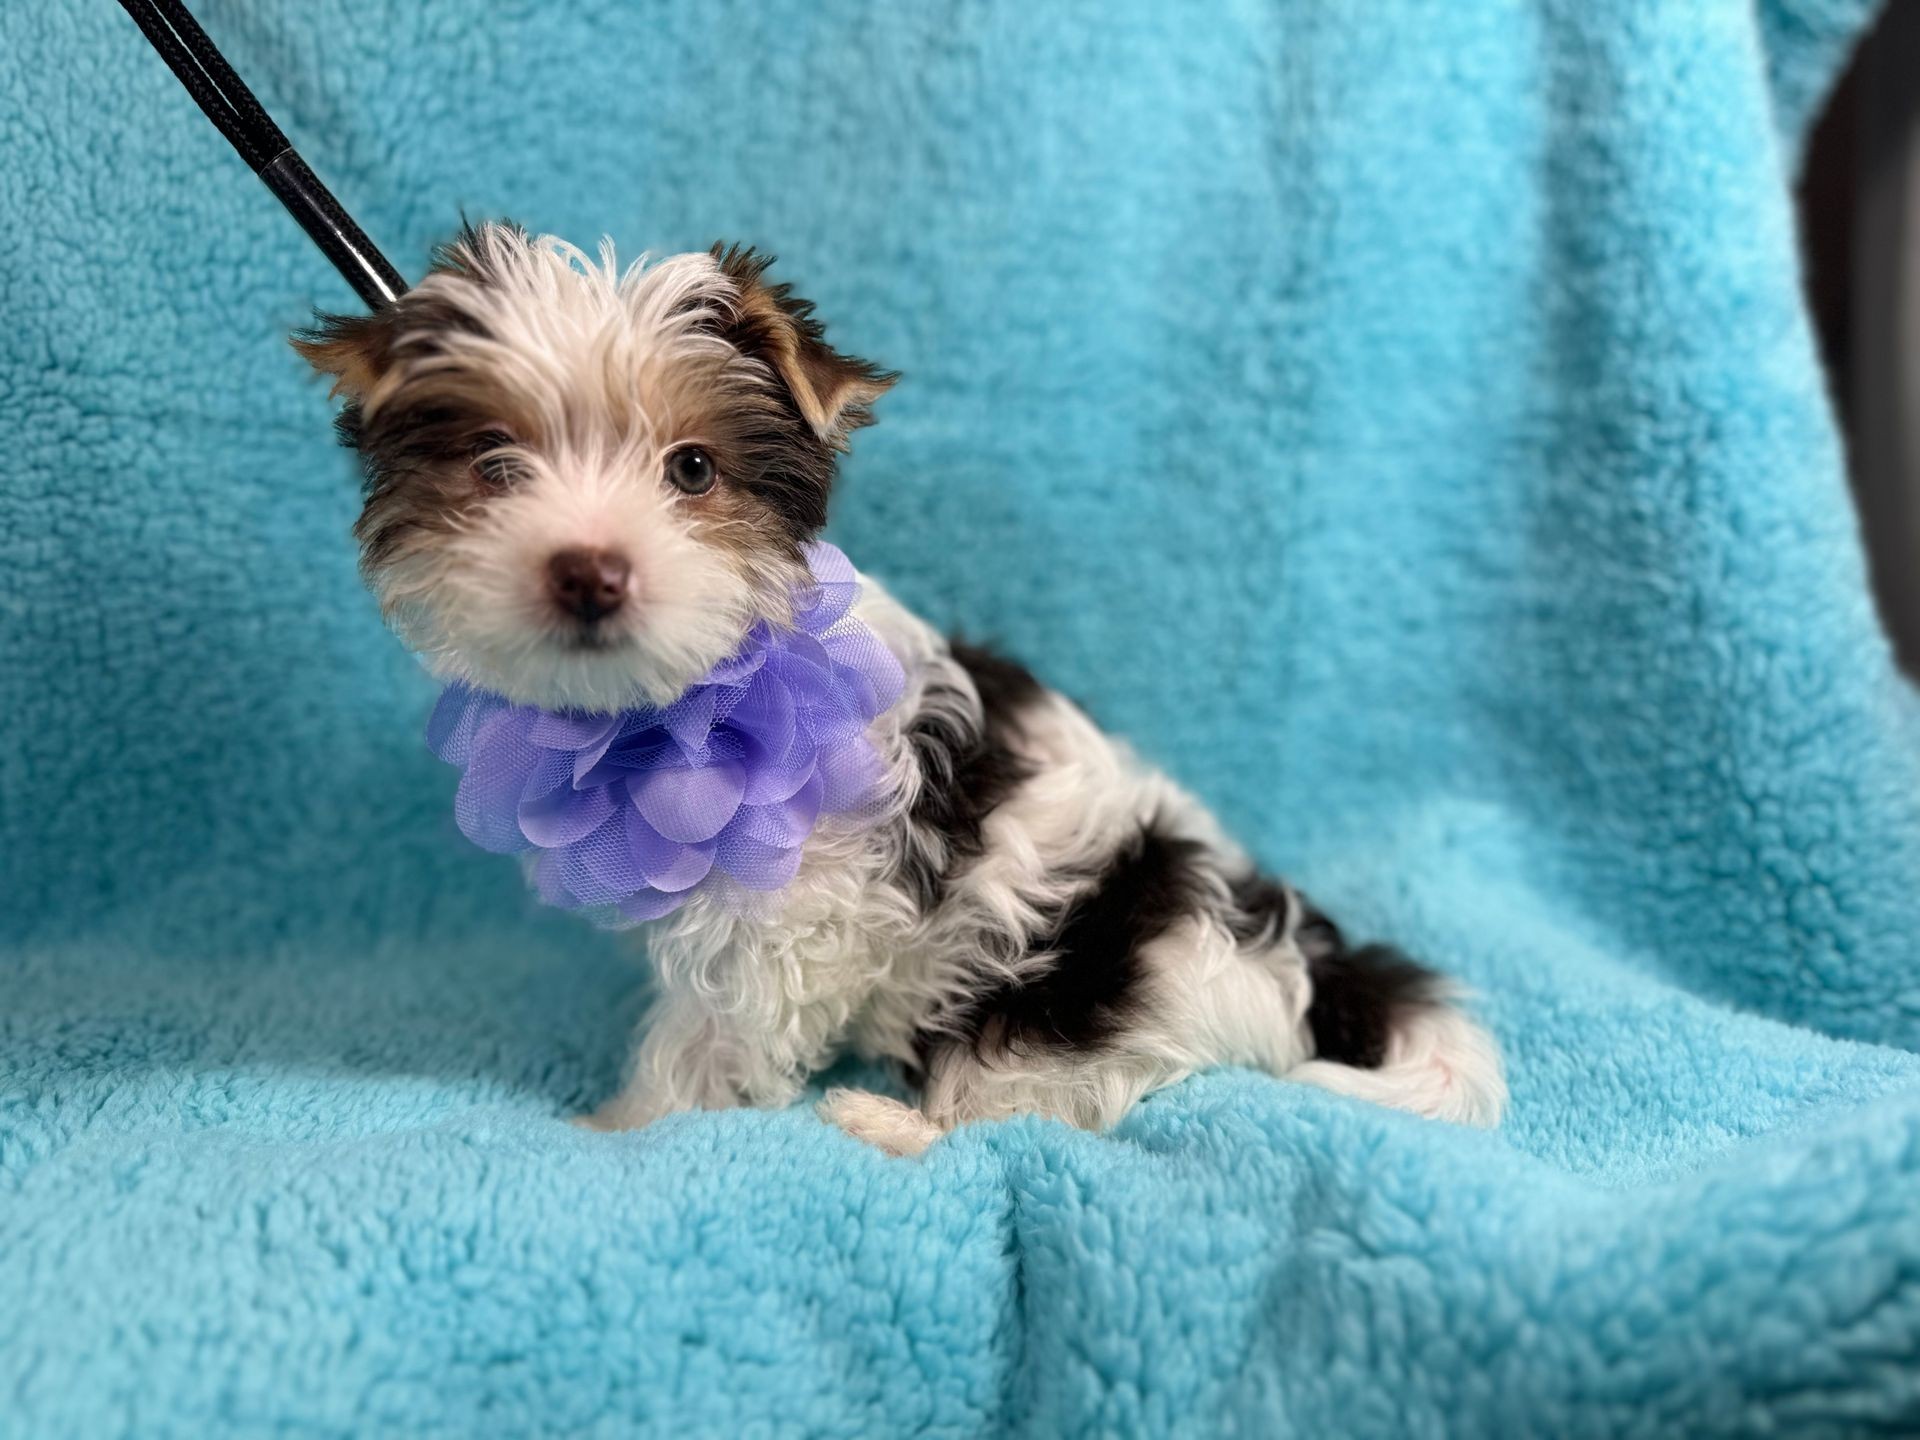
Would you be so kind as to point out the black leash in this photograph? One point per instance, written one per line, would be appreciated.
(228, 103)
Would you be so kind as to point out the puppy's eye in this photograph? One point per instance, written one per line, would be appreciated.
(692, 469)
(488, 464)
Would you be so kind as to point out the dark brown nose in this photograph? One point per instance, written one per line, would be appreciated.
(588, 584)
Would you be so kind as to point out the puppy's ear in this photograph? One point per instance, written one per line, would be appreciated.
(353, 349)
(834, 392)
(356, 350)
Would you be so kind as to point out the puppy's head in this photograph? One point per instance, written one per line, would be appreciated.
(584, 487)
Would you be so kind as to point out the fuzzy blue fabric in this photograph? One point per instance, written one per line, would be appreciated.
(1399, 416)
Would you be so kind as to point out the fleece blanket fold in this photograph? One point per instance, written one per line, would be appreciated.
(1399, 418)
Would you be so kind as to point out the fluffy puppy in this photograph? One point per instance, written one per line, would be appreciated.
(585, 487)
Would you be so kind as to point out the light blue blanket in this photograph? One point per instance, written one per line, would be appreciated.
(1400, 417)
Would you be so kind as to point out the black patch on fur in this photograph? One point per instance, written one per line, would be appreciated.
(787, 468)
(1006, 687)
(792, 467)
(1360, 995)
(965, 771)
(412, 457)
(1088, 990)
(1261, 907)
(414, 471)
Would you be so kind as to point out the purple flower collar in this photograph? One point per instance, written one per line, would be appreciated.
(633, 813)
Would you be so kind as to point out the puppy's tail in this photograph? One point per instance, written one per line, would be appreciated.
(1389, 1031)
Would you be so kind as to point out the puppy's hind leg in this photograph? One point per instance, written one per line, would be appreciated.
(968, 1083)
(889, 1125)
(1191, 1000)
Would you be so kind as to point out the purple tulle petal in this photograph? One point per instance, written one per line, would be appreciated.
(758, 866)
(799, 658)
(662, 863)
(829, 564)
(770, 781)
(689, 720)
(857, 692)
(783, 824)
(588, 757)
(834, 590)
(836, 585)
(451, 730)
(452, 707)
(831, 725)
(867, 667)
(620, 762)
(487, 804)
(725, 699)
(565, 816)
(726, 747)
(826, 604)
(599, 870)
(587, 760)
(689, 804)
(852, 775)
(552, 771)
(632, 813)
(741, 667)
(651, 904)
(565, 730)
(766, 713)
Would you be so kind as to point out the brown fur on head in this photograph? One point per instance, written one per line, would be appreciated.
(525, 406)
(834, 392)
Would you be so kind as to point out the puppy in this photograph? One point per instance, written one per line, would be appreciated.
(588, 494)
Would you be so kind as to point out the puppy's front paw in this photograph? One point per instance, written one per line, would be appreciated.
(887, 1125)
